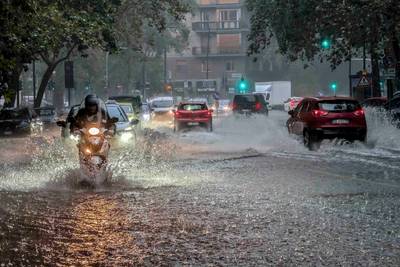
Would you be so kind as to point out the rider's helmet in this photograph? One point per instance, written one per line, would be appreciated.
(91, 104)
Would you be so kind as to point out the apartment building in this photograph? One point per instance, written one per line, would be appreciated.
(216, 56)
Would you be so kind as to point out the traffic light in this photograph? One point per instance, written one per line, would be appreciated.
(333, 86)
(168, 87)
(243, 86)
(326, 43)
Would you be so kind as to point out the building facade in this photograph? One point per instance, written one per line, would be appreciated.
(216, 56)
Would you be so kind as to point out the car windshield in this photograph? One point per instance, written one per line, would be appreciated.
(117, 112)
(45, 112)
(244, 99)
(224, 103)
(162, 103)
(127, 108)
(193, 107)
(339, 105)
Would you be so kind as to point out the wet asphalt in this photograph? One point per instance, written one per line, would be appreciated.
(208, 199)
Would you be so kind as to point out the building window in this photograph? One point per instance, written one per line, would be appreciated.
(181, 66)
(228, 15)
(229, 66)
(204, 66)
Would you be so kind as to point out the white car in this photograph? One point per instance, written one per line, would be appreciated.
(162, 108)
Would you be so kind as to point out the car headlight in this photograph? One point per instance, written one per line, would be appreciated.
(126, 136)
(146, 117)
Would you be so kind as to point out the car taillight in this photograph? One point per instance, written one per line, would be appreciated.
(258, 106)
(234, 106)
(209, 113)
(319, 113)
(292, 103)
(177, 114)
(359, 112)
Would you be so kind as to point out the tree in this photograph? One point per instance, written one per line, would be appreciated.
(68, 28)
(301, 26)
(15, 44)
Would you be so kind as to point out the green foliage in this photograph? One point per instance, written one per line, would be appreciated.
(301, 26)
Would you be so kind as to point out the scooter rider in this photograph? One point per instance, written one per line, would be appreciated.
(92, 111)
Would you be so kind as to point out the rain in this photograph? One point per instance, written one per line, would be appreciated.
(199, 133)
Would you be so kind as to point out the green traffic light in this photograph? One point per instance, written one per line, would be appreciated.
(242, 85)
(333, 86)
(326, 44)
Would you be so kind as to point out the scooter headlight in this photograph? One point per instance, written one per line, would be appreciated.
(94, 131)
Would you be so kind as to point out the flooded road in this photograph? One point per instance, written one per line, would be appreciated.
(246, 194)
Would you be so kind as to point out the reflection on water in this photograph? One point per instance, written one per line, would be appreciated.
(78, 229)
(99, 233)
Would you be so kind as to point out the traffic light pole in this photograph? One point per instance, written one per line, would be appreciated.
(165, 65)
(208, 50)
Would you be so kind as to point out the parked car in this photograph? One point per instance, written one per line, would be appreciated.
(248, 104)
(292, 103)
(375, 102)
(47, 115)
(327, 117)
(193, 114)
(162, 108)
(16, 122)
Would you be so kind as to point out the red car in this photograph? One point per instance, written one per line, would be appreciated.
(327, 117)
(193, 114)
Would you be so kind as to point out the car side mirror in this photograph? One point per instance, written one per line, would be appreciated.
(114, 120)
(61, 124)
(134, 122)
(291, 112)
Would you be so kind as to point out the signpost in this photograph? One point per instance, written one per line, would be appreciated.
(362, 86)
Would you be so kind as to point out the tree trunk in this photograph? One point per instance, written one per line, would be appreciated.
(43, 84)
(14, 84)
(376, 86)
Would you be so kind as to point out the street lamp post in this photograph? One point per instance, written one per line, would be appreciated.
(107, 77)
(34, 80)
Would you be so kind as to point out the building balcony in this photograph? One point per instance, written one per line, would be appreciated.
(220, 26)
(218, 51)
(219, 3)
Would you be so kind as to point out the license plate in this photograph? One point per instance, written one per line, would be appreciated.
(246, 110)
(7, 132)
(193, 123)
(340, 121)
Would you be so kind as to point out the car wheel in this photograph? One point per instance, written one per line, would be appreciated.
(311, 141)
(363, 138)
